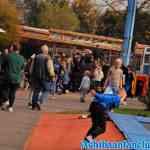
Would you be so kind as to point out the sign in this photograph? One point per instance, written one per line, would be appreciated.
(146, 61)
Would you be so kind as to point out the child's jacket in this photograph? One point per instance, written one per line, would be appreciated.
(108, 101)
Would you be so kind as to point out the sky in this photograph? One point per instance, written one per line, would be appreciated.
(114, 2)
(117, 4)
(103, 5)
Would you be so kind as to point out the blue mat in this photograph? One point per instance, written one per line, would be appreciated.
(131, 127)
(143, 119)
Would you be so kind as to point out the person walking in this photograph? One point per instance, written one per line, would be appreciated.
(13, 66)
(28, 70)
(42, 74)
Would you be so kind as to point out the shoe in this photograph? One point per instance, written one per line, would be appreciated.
(5, 106)
(82, 101)
(36, 107)
(83, 117)
(33, 106)
(89, 139)
(67, 91)
(6, 103)
(10, 109)
(29, 104)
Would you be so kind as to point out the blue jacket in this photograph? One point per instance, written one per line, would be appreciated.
(107, 101)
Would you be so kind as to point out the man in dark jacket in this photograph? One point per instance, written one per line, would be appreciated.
(42, 74)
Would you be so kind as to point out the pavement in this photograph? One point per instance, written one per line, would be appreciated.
(134, 103)
(16, 127)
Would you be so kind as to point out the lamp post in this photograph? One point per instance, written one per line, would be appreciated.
(129, 30)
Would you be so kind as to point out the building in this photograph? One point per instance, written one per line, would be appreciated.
(60, 39)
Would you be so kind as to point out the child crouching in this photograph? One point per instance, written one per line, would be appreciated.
(99, 108)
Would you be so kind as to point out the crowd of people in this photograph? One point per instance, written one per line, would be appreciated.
(45, 74)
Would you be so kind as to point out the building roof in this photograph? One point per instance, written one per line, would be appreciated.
(76, 39)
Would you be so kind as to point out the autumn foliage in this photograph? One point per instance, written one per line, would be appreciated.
(8, 22)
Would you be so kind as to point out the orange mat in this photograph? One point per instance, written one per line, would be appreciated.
(65, 132)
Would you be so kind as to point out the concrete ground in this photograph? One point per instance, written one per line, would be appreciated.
(134, 103)
(15, 127)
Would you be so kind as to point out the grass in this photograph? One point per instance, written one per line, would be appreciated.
(73, 112)
(137, 112)
(127, 111)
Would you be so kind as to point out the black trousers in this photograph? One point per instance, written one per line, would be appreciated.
(99, 117)
(8, 92)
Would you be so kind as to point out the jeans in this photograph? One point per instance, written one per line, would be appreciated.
(43, 87)
(8, 92)
(83, 93)
(53, 88)
(115, 90)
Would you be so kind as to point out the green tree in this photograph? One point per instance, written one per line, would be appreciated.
(8, 22)
(111, 24)
(47, 14)
(142, 23)
(87, 14)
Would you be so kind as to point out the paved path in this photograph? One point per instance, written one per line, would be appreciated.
(15, 127)
(134, 103)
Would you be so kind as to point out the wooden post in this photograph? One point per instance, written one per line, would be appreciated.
(53, 50)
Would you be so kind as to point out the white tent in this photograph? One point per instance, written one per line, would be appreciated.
(2, 31)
